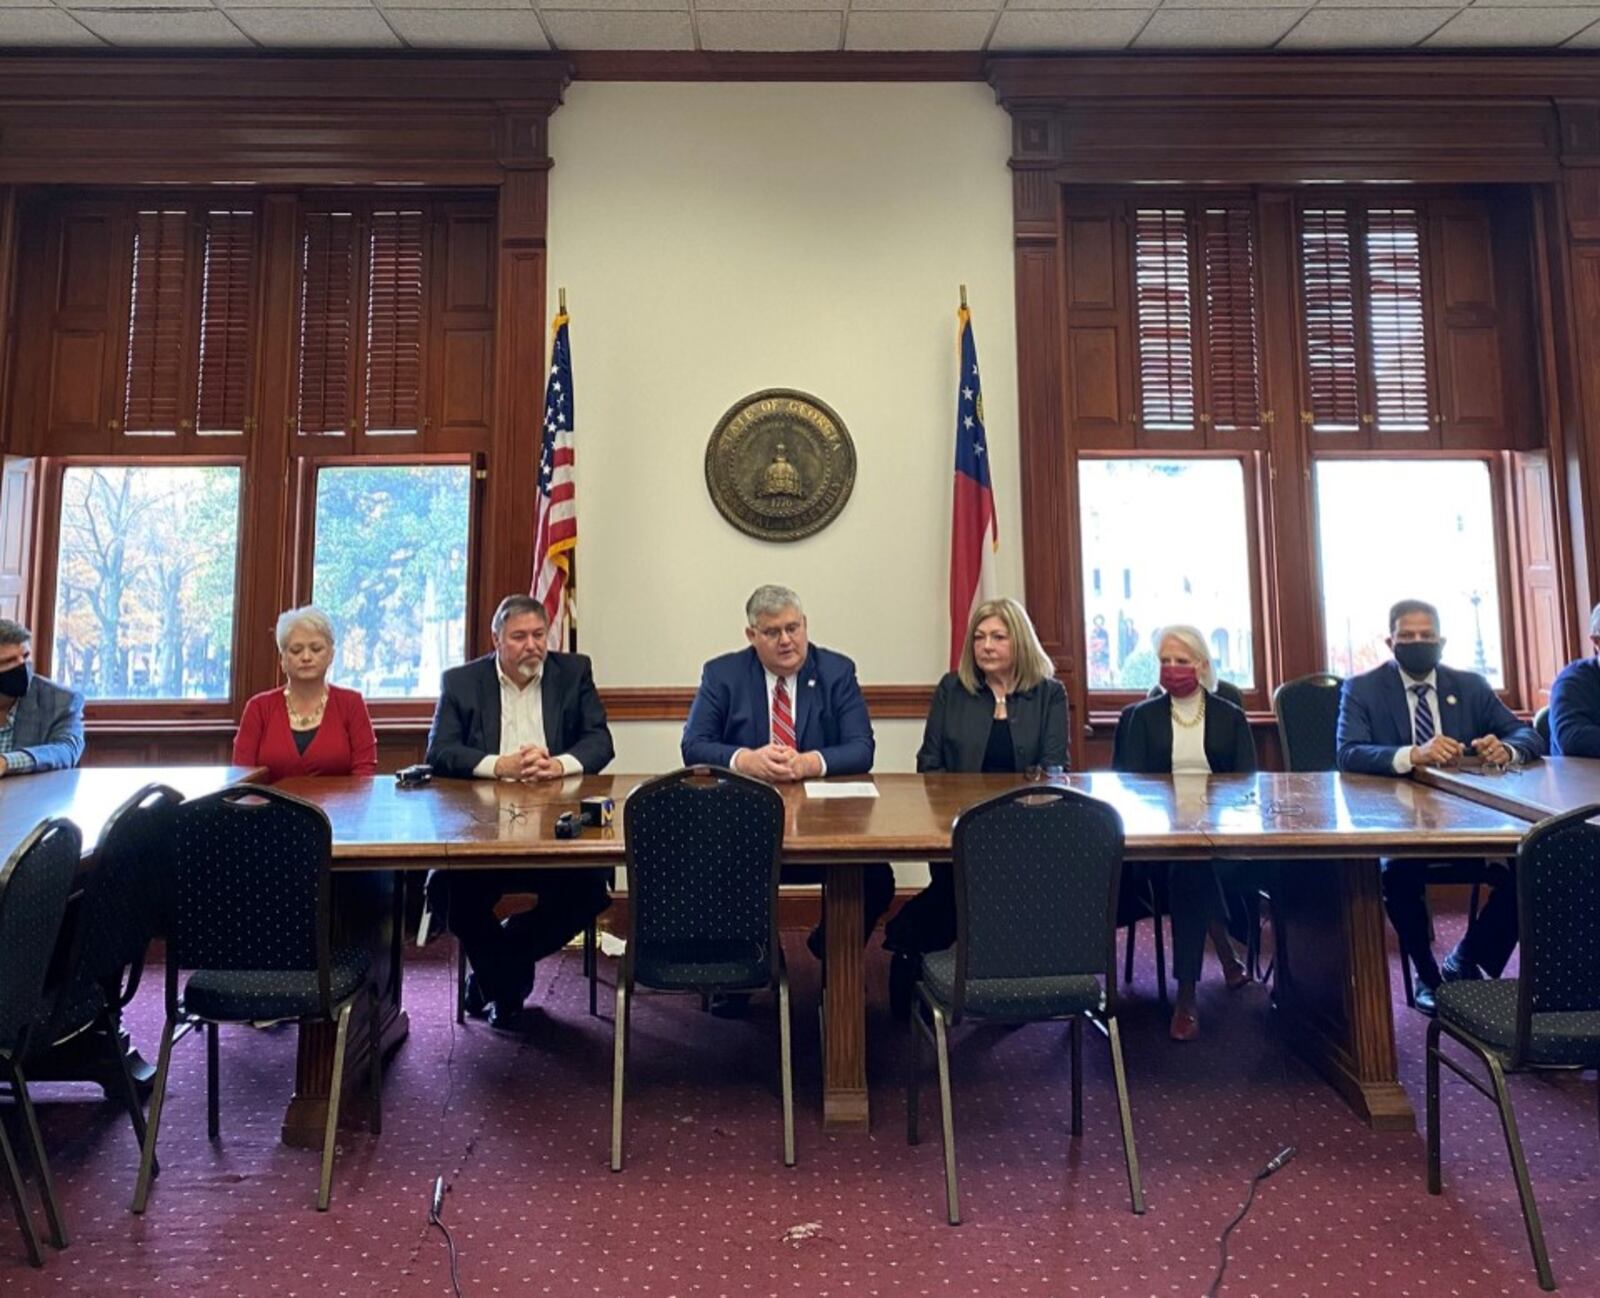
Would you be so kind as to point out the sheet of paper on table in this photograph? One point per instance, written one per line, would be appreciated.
(849, 789)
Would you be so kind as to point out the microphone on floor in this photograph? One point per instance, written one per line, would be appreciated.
(1276, 1165)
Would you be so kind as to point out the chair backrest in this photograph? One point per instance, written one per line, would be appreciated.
(127, 896)
(251, 886)
(1036, 878)
(1541, 723)
(702, 854)
(1558, 916)
(35, 882)
(1308, 721)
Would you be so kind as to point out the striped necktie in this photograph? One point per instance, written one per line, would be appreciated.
(782, 715)
(1422, 718)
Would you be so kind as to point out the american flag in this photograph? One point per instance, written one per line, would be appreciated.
(555, 526)
(974, 529)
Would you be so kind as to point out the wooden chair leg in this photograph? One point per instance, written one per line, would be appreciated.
(1161, 963)
(591, 967)
(330, 1135)
(1075, 1036)
(158, 1097)
(1125, 1115)
(375, 1053)
(946, 1118)
(1127, 956)
(786, 1063)
(914, 1064)
(30, 1237)
(47, 1185)
(213, 1101)
(619, 1055)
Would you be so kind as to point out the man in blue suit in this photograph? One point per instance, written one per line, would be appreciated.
(41, 723)
(1414, 712)
(1575, 702)
(782, 710)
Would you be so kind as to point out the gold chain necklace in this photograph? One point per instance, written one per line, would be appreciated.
(299, 721)
(1199, 716)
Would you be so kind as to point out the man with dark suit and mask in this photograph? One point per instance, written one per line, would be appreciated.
(41, 723)
(1414, 712)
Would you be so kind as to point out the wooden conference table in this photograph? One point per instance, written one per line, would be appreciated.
(1333, 984)
(1532, 792)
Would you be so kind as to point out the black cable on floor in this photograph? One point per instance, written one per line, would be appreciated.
(435, 1219)
(1222, 1244)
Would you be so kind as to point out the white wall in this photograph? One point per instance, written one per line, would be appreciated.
(719, 239)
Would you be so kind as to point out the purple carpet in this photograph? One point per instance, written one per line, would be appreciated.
(519, 1128)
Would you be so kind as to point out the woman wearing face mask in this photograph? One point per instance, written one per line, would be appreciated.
(308, 727)
(1001, 710)
(1188, 730)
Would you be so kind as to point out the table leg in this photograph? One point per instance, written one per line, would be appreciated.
(1333, 984)
(844, 1020)
(357, 898)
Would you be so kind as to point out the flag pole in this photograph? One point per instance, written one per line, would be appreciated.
(963, 297)
(561, 294)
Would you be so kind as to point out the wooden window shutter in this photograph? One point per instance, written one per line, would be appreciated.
(1328, 289)
(1395, 314)
(394, 323)
(327, 336)
(1233, 363)
(226, 303)
(1163, 312)
(157, 324)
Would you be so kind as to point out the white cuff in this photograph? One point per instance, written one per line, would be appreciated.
(823, 763)
(570, 764)
(484, 770)
(1402, 760)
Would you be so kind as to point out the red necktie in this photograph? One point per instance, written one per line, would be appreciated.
(782, 717)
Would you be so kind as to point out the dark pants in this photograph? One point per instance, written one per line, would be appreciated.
(877, 888)
(1488, 942)
(1194, 899)
(503, 953)
(928, 921)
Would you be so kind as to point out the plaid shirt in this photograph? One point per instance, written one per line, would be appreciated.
(18, 760)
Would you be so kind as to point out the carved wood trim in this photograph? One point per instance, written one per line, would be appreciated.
(706, 65)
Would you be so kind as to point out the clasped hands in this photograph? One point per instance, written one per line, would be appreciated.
(777, 765)
(529, 763)
(1442, 750)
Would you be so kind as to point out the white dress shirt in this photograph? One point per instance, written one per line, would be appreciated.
(521, 722)
(794, 716)
(1402, 755)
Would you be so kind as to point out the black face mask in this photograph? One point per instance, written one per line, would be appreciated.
(1418, 657)
(14, 681)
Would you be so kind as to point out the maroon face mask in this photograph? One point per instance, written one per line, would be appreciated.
(1180, 682)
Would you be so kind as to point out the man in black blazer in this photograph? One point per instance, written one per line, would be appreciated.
(525, 713)
(1411, 712)
(1575, 702)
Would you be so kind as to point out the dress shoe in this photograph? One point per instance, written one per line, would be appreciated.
(505, 1016)
(904, 970)
(1457, 968)
(731, 1005)
(1235, 975)
(1423, 995)
(474, 1002)
(1185, 1025)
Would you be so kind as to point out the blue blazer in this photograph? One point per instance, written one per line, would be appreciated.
(1375, 717)
(48, 723)
(466, 723)
(730, 712)
(1575, 710)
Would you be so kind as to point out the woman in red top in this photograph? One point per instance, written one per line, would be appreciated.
(308, 727)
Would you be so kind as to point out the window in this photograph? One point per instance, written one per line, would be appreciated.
(1179, 532)
(1446, 508)
(145, 582)
(390, 567)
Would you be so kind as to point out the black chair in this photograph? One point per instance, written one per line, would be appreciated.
(251, 918)
(1541, 723)
(1307, 710)
(1036, 874)
(1549, 1017)
(702, 857)
(122, 907)
(35, 882)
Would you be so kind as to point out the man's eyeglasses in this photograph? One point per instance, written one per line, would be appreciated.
(773, 634)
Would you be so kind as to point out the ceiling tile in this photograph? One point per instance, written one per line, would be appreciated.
(173, 28)
(134, 4)
(25, 29)
(625, 6)
(1215, 29)
(454, 4)
(583, 30)
(721, 30)
(1587, 39)
(758, 6)
(1399, 4)
(1088, 5)
(1364, 29)
(1237, 4)
(1534, 4)
(1523, 27)
(469, 29)
(917, 31)
(919, 6)
(283, 4)
(1068, 29)
(341, 29)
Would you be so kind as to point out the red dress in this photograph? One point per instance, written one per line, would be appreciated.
(343, 745)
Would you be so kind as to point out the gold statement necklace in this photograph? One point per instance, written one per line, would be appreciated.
(305, 721)
(1192, 722)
